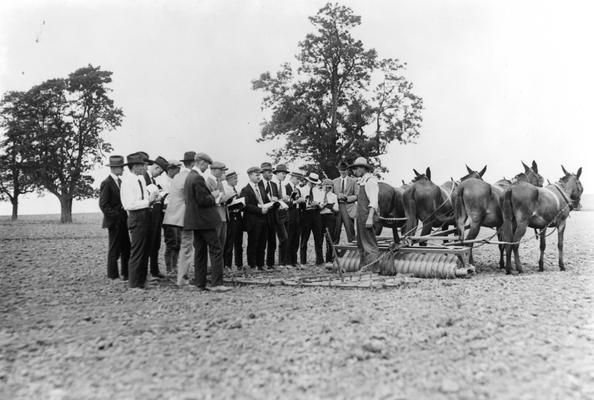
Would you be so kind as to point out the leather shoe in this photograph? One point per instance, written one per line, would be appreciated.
(219, 289)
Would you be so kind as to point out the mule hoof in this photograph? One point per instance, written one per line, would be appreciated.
(508, 273)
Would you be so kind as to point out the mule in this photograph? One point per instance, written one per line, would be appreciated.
(525, 205)
(429, 203)
(477, 203)
(390, 208)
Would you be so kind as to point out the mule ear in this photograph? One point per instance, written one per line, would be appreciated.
(483, 171)
(534, 166)
(564, 170)
(579, 172)
(416, 172)
(428, 173)
(470, 171)
(526, 168)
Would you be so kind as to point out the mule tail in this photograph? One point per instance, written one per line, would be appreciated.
(460, 215)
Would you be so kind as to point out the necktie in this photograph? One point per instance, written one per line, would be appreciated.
(267, 188)
(119, 183)
(258, 194)
(325, 197)
(234, 191)
(342, 185)
(141, 190)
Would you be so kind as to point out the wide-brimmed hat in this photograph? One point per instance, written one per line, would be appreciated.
(146, 157)
(361, 162)
(135, 158)
(328, 182)
(173, 164)
(266, 166)
(115, 161)
(189, 156)
(281, 168)
(218, 165)
(252, 170)
(204, 157)
(298, 175)
(161, 162)
(313, 178)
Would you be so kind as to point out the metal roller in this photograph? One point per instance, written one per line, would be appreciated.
(423, 265)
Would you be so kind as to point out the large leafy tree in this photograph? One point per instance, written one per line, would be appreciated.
(65, 120)
(15, 151)
(340, 101)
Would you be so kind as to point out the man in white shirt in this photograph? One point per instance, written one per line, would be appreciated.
(367, 212)
(328, 215)
(215, 182)
(311, 221)
(137, 201)
(171, 233)
(345, 188)
(234, 239)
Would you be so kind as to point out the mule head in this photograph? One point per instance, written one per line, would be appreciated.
(572, 186)
(474, 174)
(419, 176)
(530, 175)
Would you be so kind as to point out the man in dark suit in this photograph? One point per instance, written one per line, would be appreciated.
(294, 212)
(115, 219)
(254, 219)
(157, 212)
(269, 191)
(282, 216)
(203, 218)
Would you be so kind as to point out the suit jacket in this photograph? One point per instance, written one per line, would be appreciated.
(201, 209)
(351, 190)
(273, 191)
(213, 185)
(252, 213)
(176, 208)
(110, 203)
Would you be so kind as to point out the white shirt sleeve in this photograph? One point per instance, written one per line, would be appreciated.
(335, 205)
(131, 195)
(372, 191)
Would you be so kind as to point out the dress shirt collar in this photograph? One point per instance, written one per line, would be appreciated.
(115, 178)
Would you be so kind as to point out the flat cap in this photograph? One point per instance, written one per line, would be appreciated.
(252, 170)
(204, 157)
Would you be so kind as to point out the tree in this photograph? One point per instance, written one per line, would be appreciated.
(15, 176)
(66, 118)
(341, 101)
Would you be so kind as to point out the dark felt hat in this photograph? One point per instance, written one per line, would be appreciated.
(189, 156)
(146, 157)
(281, 168)
(135, 158)
(161, 162)
(115, 161)
(266, 166)
(342, 166)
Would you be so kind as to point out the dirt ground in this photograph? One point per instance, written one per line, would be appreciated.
(67, 332)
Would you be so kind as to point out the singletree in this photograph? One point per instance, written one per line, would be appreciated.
(15, 151)
(66, 120)
(341, 101)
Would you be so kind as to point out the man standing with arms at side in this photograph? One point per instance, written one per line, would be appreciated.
(284, 193)
(367, 212)
(234, 239)
(269, 191)
(137, 201)
(328, 215)
(174, 217)
(345, 188)
(293, 226)
(215, 182)
(115, 219)
(254, 218)
(203, 218)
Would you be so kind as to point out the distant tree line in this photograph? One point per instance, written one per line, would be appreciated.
(51, 137)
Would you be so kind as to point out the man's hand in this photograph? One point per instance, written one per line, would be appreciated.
(216, 193)
(369, 222)
(153, 197)
(265, 210)
(342, 197)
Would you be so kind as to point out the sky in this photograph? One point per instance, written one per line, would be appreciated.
(502, 81)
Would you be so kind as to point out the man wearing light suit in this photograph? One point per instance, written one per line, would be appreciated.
(346, 190)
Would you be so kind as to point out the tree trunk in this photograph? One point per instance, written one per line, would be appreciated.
(66, 209)
(15, 209)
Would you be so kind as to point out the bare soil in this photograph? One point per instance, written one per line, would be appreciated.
(67, 332)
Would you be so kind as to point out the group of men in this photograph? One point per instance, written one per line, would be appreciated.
(203, 215)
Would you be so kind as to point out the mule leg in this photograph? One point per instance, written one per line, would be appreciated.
(560, 233)
(395, 234)
(518, 235)
(543, 245)
(473, 232)
(501, 249)
(427, 225)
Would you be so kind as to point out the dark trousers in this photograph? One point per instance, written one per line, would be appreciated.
(155, 237)
(139, 223)
(329, 222)
(283, 245)
(119, 247)
(343, 218)
(207, 240)
(234, 240)
(256, 245)
(270, 239)
(172, 237)
(293, 232)
(311, 222)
